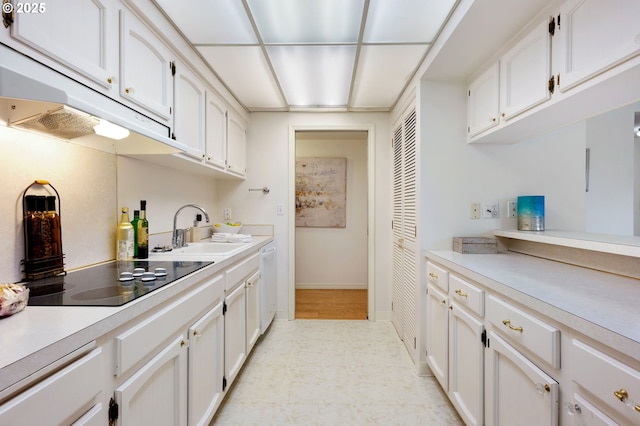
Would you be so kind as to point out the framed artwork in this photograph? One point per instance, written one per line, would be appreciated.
(321, 192)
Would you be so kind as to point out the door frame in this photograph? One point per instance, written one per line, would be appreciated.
(291, 207)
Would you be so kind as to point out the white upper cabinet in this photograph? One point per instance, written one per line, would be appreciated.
(146, 67)
(524, 73)
(216, 131)
(79, 35)
(483, 102)
(236, 145)
(189, 112)
(594, 36)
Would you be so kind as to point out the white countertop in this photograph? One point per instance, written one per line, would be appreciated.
(600, 305)
(40, 335)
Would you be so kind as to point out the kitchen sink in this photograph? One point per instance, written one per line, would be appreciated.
(212, 248)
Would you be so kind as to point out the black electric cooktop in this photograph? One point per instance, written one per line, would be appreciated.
(109, 284)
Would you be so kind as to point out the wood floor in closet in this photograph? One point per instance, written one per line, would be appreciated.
(331, 304)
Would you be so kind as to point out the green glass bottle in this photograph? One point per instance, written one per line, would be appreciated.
(134, 223)
(143, 232)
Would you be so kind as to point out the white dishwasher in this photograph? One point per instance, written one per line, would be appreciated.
(268, 295)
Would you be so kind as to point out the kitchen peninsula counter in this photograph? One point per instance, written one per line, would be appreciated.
(600, 305)
(41, 335)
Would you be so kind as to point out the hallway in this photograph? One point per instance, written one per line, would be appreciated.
(333, 373)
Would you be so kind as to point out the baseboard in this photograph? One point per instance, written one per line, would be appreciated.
(331, 286)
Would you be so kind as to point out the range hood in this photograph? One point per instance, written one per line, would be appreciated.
(38, 98)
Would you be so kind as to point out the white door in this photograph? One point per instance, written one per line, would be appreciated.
(466, 365)
(189, 112)
(594, 36)
(438, 335)
(236, 145)
(524, 73)
(215, 131)
(80, 35)
(253, 289)
(206, 365)
(517, 392)
(397, 252)
(483, 103)
(235, 341)
(145, 67)
(156, 394)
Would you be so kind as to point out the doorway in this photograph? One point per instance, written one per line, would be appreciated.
(330, 266)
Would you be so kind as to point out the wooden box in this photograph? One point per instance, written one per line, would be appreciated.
(475, 245)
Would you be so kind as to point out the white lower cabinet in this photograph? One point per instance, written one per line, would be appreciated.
(71, 395)
(517, 392)
(253, 288)
(235, 343)
(156, 393)
(438, 335)
(206, 366)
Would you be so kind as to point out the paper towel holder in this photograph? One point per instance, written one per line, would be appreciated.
(264, 189)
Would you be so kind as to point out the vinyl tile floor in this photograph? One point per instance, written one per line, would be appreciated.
(332, 372)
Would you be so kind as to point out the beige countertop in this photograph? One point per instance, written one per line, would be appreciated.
(40, 335)
(600, 305)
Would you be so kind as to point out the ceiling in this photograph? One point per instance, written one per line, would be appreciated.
(317, 55)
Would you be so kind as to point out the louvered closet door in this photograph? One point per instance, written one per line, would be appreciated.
(409, 233)
(404, 231)
(397, 303)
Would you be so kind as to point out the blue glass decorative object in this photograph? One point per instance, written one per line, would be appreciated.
(531, 213)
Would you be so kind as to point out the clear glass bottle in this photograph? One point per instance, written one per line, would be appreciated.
(134, 223)
(143, 232)
(124, 237)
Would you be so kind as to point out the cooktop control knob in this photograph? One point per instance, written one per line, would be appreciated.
(160, 272)
(126, 276)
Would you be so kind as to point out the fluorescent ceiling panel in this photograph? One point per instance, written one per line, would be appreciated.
(246, 73)
(211, 21)
(307, 21)
(408, 21)
(314, 75)
(383, 72)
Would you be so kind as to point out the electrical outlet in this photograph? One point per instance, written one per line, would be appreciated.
(475, 211)
(280, 209)
(512, 208)
(491, 210)
(227, 214)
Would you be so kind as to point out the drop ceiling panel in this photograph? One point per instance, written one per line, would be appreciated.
(211, 21)
(246, 73)
(383, 71)
(307, 21)
(314, 75)
(405, 21)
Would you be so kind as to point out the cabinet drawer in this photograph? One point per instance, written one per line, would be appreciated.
(525, 330)
(241, 270)
(438, 276)
(145, 337)
(466, 294)
(614, 383)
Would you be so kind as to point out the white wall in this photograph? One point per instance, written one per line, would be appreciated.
(455, 174)
(345, 249)
(267, 164)
(93, 185)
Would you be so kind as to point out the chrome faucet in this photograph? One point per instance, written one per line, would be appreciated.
(179, 241)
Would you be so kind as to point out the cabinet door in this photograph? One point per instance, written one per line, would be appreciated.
(80, 35)
(145, 67)
(216, 131)
(483, 102)
(235, 341)
(236, 145)
(517, 392)
(595, 36)
(189, 112)
(253, 288)
(206, 366)
(76, 390)
(466, 365)
(438, 335)
(156, 394)
(524, 72)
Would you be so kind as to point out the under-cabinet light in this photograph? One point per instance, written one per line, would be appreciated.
(110, 130)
